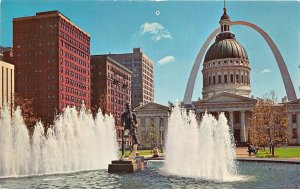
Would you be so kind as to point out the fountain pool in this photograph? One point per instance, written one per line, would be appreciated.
(255, 175)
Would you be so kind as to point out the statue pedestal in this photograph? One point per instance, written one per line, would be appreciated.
(127, 165)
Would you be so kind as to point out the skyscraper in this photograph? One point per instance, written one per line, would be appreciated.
(110, 88)
(142, 82)
(52, 62)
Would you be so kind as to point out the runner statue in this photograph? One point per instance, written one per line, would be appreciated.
(129, 124)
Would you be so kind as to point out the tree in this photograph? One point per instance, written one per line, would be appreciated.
(269, 124)
(26, 106)
(150, 137)
(101, 103)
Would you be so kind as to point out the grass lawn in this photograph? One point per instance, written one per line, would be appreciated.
(280, 153)
(141, 152)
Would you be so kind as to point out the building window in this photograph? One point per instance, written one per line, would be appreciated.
(231, 78)
(237, 78)
(214, 80)
(219, 79)
(225, 78)
(161, 122)
(209, 81)
(294, 118)
(152, 121)
(294, 133)
(236, 117)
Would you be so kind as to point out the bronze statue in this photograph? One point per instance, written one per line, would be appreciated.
(129, 124)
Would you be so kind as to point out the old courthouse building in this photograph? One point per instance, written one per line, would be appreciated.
(110, 87)
(52, 59)
(142, 83)
(226, 86)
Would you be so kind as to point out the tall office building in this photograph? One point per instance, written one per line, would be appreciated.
(110, 88)
(142, 82)
(52, 60)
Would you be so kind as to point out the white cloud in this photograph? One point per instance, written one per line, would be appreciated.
(156, 30)
(166, 60)
(266, 71)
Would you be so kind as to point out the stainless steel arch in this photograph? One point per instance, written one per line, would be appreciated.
(289, 87)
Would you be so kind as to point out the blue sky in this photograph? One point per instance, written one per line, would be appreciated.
(171, 34)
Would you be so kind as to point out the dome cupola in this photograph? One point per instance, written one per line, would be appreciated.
(226, 64)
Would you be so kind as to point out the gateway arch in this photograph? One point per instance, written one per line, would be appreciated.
(289, 87)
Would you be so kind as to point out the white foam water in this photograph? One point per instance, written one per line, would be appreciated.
(76, 142)
(202, 150)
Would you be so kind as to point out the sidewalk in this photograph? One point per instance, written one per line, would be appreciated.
(242, 155)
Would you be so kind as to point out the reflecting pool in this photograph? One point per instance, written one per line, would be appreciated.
(254, 175)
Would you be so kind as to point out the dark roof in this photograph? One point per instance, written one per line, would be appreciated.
(111, 60)
(225, 46)
(225, 15)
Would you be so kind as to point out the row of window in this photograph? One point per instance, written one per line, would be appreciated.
(118, 94)
(118, 85)
(64, 25)
(74, 42)
(74, 50)
(218, 80)
(75, 67)
(73, 91)
(77, 60)
(118, 76)
(116, 72)
(71, 98)
(119, 101)
(74, 83)
(225, 62)
(147, 83)
(74, 75)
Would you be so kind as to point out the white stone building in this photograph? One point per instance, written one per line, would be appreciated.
(7, 83)
(226, 85)
(152, 115)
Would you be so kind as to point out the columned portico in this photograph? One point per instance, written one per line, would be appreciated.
(235, 108)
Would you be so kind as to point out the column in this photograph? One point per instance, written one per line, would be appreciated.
(243, 127)
(290, 126)
(1, 87)
(231, 121)
(298, 128)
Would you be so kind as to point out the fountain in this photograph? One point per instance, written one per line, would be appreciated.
(204, 150)
(198, 155)
(75, 142)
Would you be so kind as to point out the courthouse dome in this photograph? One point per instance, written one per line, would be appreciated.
(226, 48)
(226, 65)
(225, 45)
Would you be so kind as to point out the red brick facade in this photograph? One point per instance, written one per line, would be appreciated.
(111, 87)
(52, 59)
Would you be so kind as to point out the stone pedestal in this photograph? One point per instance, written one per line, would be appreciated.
(127, 165)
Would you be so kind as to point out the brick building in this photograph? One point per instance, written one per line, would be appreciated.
(142, 78)
(52, 59)
(110, 87)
